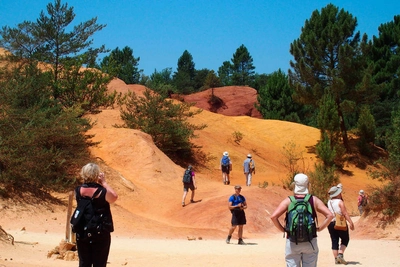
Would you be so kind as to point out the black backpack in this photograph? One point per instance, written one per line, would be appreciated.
(300, 223)
(187, 176)
(86, 220)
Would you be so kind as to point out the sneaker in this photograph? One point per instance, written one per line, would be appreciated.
(228, 183)
(183, 204)
(228, 240)
(241, 242)
(192, 201)
(336, 261)
(340, 260)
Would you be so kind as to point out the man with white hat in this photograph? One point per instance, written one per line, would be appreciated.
(226, 167)
(302, 254)
(249, 167)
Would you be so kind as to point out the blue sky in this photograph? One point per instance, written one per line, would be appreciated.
(160, 31)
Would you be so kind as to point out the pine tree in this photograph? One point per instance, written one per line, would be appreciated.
(242, 67)
(185, 73)
(328, 58)
(123, 65)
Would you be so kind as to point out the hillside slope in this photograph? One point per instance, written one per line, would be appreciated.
(150, 188)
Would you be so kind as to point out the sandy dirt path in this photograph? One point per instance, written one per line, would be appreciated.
(181, 252)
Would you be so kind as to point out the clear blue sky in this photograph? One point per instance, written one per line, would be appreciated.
(159, 31)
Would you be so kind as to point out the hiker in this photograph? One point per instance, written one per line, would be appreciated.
(249, 168)
(94, 250)
(226, 167)
(362, 201)
(237, 205)
(305, 253)
(189, 184)
(337, 206)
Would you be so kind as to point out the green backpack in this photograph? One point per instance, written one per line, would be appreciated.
(300, 223)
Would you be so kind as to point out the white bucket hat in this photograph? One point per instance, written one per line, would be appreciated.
(300, 184)
(225, 153)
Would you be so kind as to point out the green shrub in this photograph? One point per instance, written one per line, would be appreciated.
(264, 184)
(166, 122)
(237, 137)
(321, 180)
(292, 154)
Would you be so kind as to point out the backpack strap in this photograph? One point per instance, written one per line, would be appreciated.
(79, 196)
(78, 193)
(307, 197)
(98, 190)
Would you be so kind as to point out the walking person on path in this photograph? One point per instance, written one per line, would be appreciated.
(189, 182)
(362, 201)
(302, 254)
(237, 205)
(337, 206)
(226, 167)
(93, 248)
(249, 168)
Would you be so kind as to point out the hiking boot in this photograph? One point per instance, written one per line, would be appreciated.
(228, 183)
(183, 204)
(340, 260)
(241, 242)
(228, 239)
(192, 201)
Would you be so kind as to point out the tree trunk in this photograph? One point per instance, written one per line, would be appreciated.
(344, 132)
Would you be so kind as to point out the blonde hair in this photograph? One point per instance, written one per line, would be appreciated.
(90, 173)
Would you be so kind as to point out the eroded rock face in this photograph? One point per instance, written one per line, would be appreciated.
(236, 101)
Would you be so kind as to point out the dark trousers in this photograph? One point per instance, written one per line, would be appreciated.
(94, 253)
(336, 236)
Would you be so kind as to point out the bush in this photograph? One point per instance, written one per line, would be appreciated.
(163, 120)
(41, 143)
(292, 155)
(321, 180)
(237, 137)
(215, 103)
(386, 198)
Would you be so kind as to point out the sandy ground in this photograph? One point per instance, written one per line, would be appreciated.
(207, 252)
(151, 226)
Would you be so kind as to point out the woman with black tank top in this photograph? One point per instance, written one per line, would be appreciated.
(93, 248)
